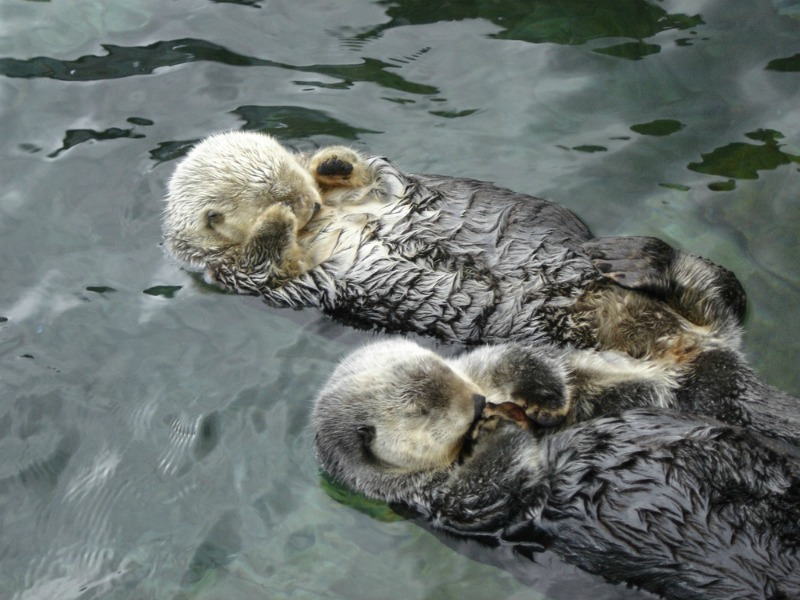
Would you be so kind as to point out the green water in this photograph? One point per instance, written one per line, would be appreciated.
(154, 432)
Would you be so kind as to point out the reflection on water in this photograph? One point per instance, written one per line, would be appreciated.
(575, 22)
(296, 122)
(791, 63)
(155, 430)
(658, 127)
(743, 161)
(74, 137)
(121, 61)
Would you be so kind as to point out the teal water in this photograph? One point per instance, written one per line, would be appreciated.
(153, 432)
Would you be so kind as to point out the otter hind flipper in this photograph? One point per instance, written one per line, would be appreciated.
(701, 291)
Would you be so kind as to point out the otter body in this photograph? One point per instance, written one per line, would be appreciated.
(683, 506)
(458, 259)
(676, 471)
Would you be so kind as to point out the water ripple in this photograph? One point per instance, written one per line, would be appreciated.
(198, 436)
(129, 61)
(741, 160)
(78, 529)
(548, 21)
(93, 476)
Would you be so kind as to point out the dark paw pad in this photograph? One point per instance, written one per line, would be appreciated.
(335, 167)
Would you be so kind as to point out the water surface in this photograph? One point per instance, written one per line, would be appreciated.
(154, 431)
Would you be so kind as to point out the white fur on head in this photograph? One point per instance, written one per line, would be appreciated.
(391, 410)
(234, 177)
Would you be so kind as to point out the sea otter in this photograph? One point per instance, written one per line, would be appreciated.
(682, 506)
(677, 503)
(459, 259)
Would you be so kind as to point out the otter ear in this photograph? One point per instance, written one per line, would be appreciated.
(367, 434)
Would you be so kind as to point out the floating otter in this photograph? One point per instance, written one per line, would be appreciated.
(678, 504)
(458, 259)
(682, 506)
(642, 482)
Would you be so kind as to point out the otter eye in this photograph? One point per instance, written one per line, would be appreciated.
(214, 218)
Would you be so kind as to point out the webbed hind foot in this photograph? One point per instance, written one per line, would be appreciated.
(636, 263)
(698, 289)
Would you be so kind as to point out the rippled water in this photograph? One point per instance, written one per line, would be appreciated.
(153, 431)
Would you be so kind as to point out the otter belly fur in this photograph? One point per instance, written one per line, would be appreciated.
(458, 259)
(681, 505)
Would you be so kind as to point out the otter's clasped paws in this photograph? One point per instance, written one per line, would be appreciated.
(508, 411)
(636, 263)
(274, 243)
(277, 222)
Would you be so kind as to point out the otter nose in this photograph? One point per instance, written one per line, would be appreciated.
(479, 403)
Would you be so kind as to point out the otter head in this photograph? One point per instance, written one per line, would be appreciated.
(389, 411)
(222, 187)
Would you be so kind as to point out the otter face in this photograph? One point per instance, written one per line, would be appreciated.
(220, 192)
(427, 413)
(393, 407)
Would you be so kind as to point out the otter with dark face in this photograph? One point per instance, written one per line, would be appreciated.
(684, 506)
(459, 259)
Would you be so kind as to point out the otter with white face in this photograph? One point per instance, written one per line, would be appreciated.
(431, 409)
(458, 259)
(683, 506)
(244, 199)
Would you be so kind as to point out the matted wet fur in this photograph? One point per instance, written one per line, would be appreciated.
(677, 473)
(458, 259)
(677, 503)
(682, 506)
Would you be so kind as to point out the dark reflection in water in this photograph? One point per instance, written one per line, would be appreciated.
(164, 291)
(553, 21)
(290, 123)
(791, 63)
(73, 137)
(743, 161)
(128, 61)
(253, 3)
(167, 151)
(659, 127)
(296, 122)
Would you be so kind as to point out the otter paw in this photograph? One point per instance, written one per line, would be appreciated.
(338, 166)
(637, 263)
(334, 166)
(507, 411)
(544, 417)
(276, 218)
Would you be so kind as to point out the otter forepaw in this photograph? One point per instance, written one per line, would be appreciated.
(338, 166)
(274, 248)
(507, 411)
(333, 167)
(637, 263)
(544, 417)
(276, 219)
